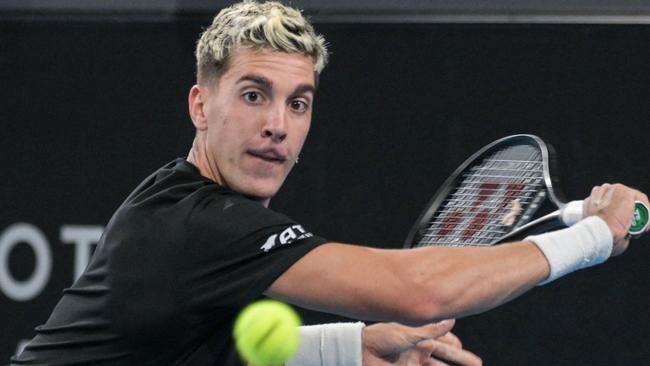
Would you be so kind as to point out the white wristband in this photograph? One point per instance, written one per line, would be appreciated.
(329, 345)
(585, 244)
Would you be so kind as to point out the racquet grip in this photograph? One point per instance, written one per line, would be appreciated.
(571, 213)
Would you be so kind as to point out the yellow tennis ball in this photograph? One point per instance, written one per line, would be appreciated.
(266, 333)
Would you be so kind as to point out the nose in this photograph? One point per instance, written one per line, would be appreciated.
(275, 126)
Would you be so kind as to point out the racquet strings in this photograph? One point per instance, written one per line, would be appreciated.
(489, 200)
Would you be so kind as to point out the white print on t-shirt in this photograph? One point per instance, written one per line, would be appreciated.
(287, 236)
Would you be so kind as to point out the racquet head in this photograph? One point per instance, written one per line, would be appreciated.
(492, 194)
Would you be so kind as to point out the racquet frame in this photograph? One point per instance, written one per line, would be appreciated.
(546, 197)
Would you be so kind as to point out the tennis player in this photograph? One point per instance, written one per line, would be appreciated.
(196, 241)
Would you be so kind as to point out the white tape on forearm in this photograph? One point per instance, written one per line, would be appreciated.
(329, 345)
(585, 244)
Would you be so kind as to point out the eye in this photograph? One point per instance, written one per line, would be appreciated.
(252, 97)
(299, 105)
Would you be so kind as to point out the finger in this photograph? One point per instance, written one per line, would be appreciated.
(595, 194)
(625, 243)
(447, 353)
(451, 339)
(429, 331)
(434, 362)
(620, 247)
(592, 203)
(640, 196)
(594, 189)
(607, 195)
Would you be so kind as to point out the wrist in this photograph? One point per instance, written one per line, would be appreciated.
(587, 243)
(329, 345)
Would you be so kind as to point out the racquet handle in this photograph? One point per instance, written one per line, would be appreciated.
(571, 213)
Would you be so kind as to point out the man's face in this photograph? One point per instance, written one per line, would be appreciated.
(258, 115)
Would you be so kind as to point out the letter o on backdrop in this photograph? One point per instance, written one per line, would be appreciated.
(32, 286)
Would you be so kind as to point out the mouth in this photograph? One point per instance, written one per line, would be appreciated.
(270, 155)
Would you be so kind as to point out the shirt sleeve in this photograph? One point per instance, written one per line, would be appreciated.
(236, 249)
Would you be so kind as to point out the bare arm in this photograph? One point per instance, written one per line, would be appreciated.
(413, 286)
(424, 284)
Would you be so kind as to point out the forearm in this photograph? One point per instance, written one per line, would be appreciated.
(481, 279)
(411, 286)
(455, 282)
(433, 283)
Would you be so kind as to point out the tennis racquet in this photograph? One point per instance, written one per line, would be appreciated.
(503, 192)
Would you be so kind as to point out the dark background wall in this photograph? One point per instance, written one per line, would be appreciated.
(89, 108)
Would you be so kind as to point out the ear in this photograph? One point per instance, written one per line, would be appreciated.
(196, 102)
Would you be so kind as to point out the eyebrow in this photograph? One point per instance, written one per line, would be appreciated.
(264, 83)
(267, 85)
(302, 89)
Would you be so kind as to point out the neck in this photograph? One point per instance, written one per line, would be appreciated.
(199, 157)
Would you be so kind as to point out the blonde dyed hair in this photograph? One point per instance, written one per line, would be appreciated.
(256, 26)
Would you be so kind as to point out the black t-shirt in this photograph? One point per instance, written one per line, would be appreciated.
(178, 260)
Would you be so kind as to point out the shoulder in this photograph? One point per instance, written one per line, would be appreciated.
(176, 189)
